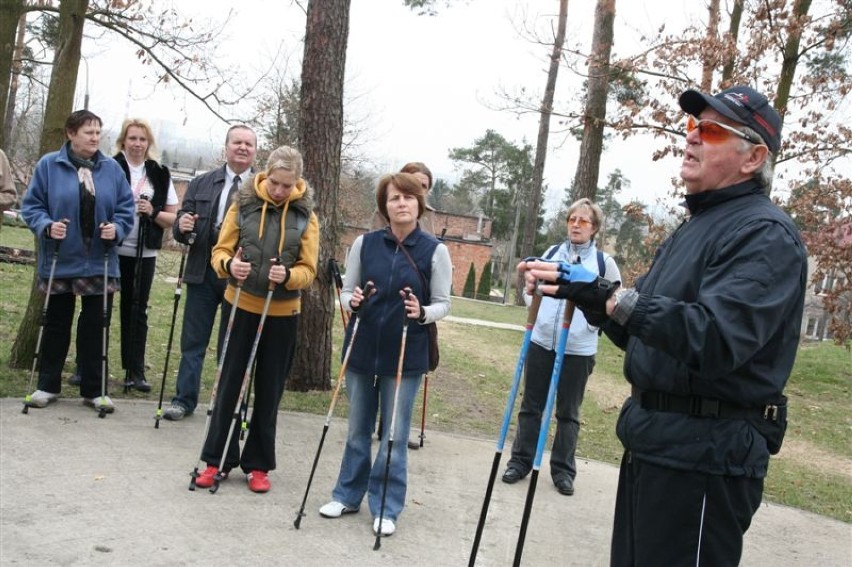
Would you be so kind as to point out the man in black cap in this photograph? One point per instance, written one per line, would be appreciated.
(710, 334)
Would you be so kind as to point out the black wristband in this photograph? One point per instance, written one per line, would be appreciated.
(422, 318)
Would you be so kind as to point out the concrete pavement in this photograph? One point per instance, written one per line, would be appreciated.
(78, 490)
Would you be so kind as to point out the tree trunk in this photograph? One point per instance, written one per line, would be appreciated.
(534, 201)
(588, 166)
(6, 140)
(710, 54)
(321, 128)
(733, 35)
(60, 100)
(10, 12)
(790, 57)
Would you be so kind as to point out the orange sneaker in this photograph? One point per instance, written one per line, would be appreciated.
(258, 481)
(206, 478)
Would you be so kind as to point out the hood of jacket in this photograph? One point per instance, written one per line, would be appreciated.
(254, 191)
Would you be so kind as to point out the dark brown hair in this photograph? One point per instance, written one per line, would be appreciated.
(78, 118)
(418, 167)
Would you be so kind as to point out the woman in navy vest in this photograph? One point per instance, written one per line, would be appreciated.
(156, 208)
(396, 258)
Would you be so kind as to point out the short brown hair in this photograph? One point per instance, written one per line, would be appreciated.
(405, 183)
(79, 118)
(418, 167)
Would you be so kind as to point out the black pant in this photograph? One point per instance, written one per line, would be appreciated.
(130, 305)
(569, 397)
(273, 361)
(678, 518)
(56, 340)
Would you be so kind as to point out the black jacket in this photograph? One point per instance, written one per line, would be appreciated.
(719, 315)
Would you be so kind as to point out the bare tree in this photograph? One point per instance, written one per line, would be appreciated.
(63, 82)
(10, 13)
(594, 119)
(534, 201)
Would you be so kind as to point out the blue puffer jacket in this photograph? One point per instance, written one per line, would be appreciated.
(54, 194)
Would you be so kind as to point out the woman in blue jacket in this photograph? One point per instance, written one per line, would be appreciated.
(394, 258)
(79, 206)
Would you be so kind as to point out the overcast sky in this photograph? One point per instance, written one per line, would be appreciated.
(419, 85)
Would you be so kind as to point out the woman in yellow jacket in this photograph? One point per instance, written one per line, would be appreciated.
(269, 241)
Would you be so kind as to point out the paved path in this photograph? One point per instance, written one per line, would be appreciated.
(77, 490)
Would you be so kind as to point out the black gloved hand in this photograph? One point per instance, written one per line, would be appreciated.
(594, 318)
(588, 296)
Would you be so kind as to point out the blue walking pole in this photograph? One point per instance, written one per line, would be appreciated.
(544, 429)
(532, 314)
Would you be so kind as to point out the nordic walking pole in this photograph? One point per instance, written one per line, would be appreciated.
(178, 292)
(368, 291)
(544, 430)
(102, 411)
(37, 355)
(244, 426)
(532, 314)
(219, 475)
(194, 474)
(423, 417)
(378, 543)
(334, 270)
(141, 235)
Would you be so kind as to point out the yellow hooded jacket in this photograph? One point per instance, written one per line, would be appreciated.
(303, 271)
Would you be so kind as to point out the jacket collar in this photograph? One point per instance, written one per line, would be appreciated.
(698, 202)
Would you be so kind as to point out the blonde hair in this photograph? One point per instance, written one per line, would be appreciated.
(152, 152)
(285, 157)
(597, 213)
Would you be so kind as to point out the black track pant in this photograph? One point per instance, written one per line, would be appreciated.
(679, 518)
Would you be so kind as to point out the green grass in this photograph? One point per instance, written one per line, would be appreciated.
(468, 393)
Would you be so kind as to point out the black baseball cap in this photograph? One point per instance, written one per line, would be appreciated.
(741, 104)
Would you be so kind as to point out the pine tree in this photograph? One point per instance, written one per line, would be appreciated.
(470, 282)
(484, 289)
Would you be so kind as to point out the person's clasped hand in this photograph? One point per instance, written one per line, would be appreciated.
(412, 304)
(569, 281)
(277, 273)
(239, 268)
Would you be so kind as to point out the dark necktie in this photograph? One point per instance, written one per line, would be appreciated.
(234, 187)
(214, 234)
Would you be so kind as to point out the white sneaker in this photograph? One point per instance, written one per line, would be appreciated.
(40, 399)
(335, 509)
(100, 403)
(388, 527)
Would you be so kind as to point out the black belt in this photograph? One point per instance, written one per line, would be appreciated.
(701, 406)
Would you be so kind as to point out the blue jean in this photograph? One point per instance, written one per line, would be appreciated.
(199, 315)
(358, 475)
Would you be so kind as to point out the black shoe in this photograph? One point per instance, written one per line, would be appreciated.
(564, 486)
(511, 476)
(75, 380)
(413, 445)
(141, 384)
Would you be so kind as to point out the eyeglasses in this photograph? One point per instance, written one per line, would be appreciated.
(713, 132)
(585, 223)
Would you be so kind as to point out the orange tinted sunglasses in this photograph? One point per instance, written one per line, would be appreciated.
(712, 132)
(585, 223)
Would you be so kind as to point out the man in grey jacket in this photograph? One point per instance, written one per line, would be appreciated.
(204, 204)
